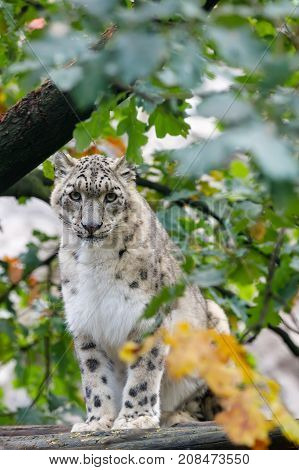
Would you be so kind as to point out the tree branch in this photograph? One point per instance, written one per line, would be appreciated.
(210, 4)
(37, 126)
(32, 185)
(12, 286)
(286, 339)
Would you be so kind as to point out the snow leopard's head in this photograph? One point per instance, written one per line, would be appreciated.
(92, 194)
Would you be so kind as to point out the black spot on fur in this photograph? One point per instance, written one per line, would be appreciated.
(136, 364)
(75, 255)
(153, 399)
(143, 402)
(155, 351)
(143, 274)
(88, 409)
(143, 386)
(87, 392)
(134, 285)
(65, 281)
(104, 379)
(87, 346)
(108, 397)
(133, 391)
(118, 276)
(97, 402)
(128, 404)
(74, 291)
(151, 365)
(129, 238)
(92, 364)
(121, 252)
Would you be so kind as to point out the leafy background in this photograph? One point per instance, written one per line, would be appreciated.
(230, 200)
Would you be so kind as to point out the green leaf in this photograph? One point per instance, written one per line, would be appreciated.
(186, 64)
(208, 276)
(30, 258)
(227, 107)
(238, 46)
(265, 28)
(273, 155)
(82, 136)
(238, 169)
(135, 130)
(97, 125)
(166, 122)
(166, 296)
(48, 170)
(66, 79)
(56, 51)
(129, 58)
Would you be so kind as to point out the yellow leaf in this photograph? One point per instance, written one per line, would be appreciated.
(15, 269)
(207, 189)
(217, 175)
(222, 362)
(244, 421)
(258, 231)
(129, 352)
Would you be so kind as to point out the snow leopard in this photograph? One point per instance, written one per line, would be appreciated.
(114, 257)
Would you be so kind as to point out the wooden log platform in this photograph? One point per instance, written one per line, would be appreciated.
(205, 436)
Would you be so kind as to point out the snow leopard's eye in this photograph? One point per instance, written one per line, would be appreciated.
(75, 196)
(110, 197)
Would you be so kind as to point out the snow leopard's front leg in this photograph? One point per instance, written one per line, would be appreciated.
(98, 382)
(141, 394)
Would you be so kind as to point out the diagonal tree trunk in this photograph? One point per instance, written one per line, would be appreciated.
(34, 129)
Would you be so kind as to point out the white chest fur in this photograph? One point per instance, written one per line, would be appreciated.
(96, 303)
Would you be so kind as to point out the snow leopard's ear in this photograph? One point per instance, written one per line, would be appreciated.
(63, 164)
(125, 170)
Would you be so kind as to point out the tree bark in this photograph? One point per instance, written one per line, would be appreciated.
(34, 129)
(206, 435)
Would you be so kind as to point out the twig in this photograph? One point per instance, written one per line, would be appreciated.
(210, 4)
(286, 338)
(256, 328)
(289, 327)
(45, 262)
(166, 191)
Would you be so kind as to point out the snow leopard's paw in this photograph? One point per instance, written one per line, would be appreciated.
(103, 424)
(141, 422)
(175, 418)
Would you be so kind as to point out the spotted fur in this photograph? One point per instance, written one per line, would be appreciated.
(114, 257)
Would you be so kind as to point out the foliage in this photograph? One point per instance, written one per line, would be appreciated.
(245, 396)
(229, 201)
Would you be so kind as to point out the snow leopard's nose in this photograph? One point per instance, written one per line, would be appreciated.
(92, 228)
